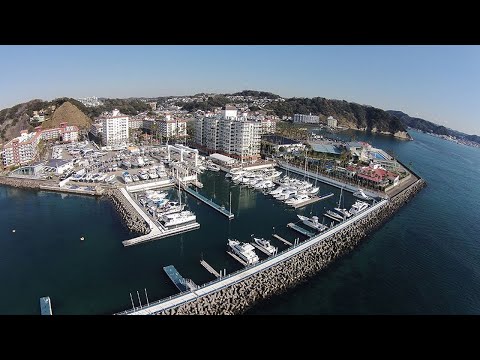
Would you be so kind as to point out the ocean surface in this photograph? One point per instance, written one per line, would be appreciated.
(425, 260)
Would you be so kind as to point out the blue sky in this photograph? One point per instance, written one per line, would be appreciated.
(437, 83)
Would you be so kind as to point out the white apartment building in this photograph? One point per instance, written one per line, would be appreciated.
(173, 127)
(22, 149)
(269, 126)
(332, 122)
(300, 118)
(115, 128)
(230, 112)
(234, 136)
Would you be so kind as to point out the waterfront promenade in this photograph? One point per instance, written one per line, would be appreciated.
(241, 275)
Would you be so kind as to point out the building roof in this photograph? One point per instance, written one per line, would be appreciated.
(55, 163)
(229, 107)
(326, 148)
(221, 157)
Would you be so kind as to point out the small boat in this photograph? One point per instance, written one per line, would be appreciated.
(213, 167)
(358, 207)
(110, 178)
(265, 244)
(313, 222)
(333, 215)
(297, 199)
(360, 194)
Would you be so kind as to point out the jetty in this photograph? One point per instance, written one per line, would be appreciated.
(178, 280)
(210, 269)
(45, 305)
(282, 239)
(300, 230)
(209, 202)
(237, 258)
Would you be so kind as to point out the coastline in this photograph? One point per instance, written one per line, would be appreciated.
(238, 298)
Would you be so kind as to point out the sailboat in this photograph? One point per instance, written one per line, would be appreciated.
(342, 211)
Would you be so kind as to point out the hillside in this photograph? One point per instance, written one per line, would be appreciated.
(67, 112)
(351, 115)
(428, 126)
(16, 118)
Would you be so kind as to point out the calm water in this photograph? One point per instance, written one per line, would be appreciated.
(425, 260)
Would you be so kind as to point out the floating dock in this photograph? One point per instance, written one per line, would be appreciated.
(210, 269)
(237, 258)
(282, 239)
(312, 200)
(326, 196)
(260, 248)
(181, 283)
(45, 305)
(209, 202)
(300, 229)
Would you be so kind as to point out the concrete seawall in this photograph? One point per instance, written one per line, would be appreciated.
(239, 297)
(129, 215)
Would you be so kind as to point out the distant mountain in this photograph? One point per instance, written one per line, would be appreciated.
(258, 94)
(351, 115)
(430, 127)
(16, 118)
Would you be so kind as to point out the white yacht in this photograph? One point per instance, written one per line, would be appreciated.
(176, 219)
(297, 199)
(343, 212)
(277, 191)
(360, 194)
(265, 244)
(358, 207)
(135, 178)
(143, 175)
(313, 222)
(213, 167)
(245, 251)
(152, 174)
(285, 194)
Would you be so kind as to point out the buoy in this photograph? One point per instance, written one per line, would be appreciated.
(82, 238)
(13, 230)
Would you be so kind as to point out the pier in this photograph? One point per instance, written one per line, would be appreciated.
(45, 305)
(210, 269)
(260, 248)
(237, 258)
(282, 239)
(181, 283)
(209, 202)
(156, 231)
(300, 230)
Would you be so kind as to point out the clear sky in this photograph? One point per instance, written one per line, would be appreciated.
(437, 83)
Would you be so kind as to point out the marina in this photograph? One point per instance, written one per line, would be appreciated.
(300, 230)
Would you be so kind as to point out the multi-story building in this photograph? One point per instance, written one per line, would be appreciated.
(229, 112)
(300, 118)
(332, 122)
(269, 126)
(22, 149)
(173, 127)
(114, 128)
(135, 122)
(96, 129)
(90, 101)
(64, 133)
(233, 136)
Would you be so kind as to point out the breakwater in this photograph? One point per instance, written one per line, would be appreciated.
(22, 183)
(129, 215)
(239, 297)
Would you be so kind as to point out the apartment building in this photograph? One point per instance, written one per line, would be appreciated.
(301, 118)
(114, 128)
(22, 149)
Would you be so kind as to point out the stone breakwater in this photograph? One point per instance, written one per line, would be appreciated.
(22, 183)
(237, 298)
(129, 215)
